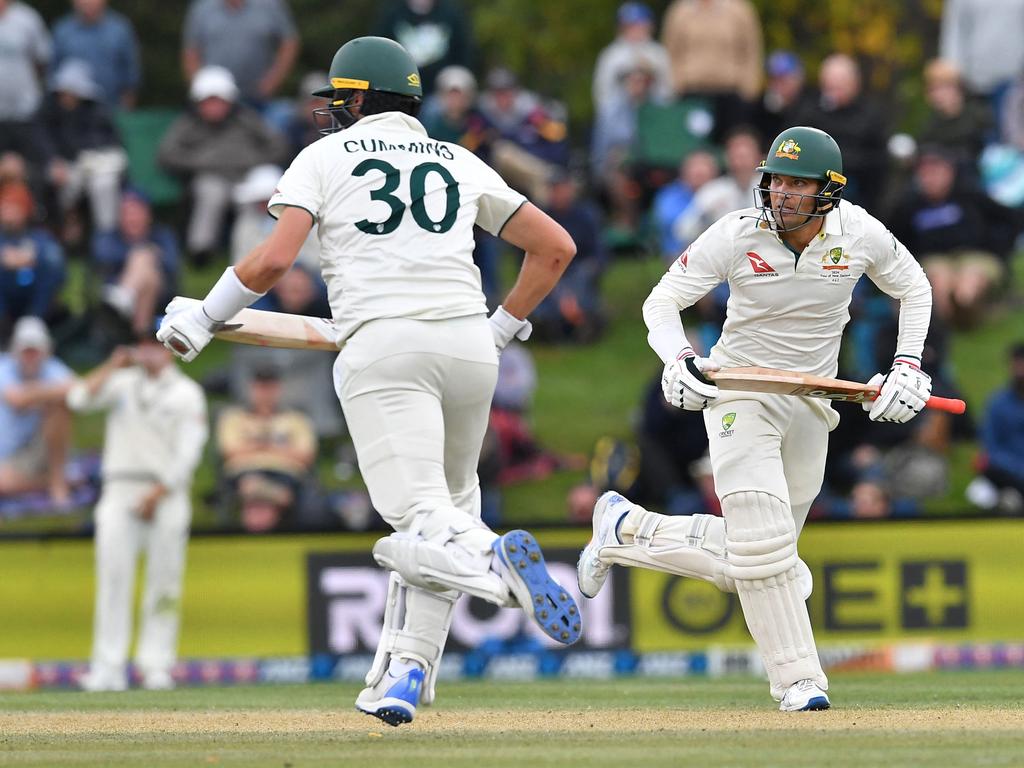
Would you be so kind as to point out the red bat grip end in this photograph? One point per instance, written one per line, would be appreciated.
(947, 404)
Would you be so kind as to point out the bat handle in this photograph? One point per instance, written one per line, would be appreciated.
(947, 404)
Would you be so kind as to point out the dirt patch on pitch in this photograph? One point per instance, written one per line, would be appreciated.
(620, 721)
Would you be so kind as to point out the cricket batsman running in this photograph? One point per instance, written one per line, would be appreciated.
(395, 212)
(791, 263)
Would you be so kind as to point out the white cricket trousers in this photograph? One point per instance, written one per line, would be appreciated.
(120, 537)
(416, 396)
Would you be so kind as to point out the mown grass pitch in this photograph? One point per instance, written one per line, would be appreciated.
(944, 719)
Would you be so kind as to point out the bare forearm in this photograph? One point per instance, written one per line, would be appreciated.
(258, 271)
(536, 280)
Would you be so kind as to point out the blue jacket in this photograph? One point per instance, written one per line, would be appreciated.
(1002, 433)
(110, 251)
(31, 290)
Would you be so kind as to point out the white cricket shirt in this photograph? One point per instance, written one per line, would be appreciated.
(395, 213)
(784, 311)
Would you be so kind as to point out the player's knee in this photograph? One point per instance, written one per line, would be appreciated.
(760, 535)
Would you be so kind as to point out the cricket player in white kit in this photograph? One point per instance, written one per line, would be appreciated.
(791, 264)
(395, 212)
(155, 432)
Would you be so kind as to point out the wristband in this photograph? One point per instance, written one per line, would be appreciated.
(668, 341)
(510, 325)
(228, 297)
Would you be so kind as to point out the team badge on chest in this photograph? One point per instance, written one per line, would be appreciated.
(835, 263)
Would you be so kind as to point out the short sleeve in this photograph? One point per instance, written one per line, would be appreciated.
(283, 21)
(300, 186)
(42, 46)
(497, 202)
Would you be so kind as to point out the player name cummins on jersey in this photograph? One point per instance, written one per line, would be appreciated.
(788, 311)
(395, 212)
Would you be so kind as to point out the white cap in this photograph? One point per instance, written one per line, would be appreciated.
(456, 78)
(259, 184)
(213, 81)
(30, 333)
(75, 76)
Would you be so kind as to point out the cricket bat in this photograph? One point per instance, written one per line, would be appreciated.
(774, 381)
(278, 329)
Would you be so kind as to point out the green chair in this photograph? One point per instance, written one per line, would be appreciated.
(141, 131)
(666, 133)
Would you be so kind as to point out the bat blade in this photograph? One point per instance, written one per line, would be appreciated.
(779, 382)
(278, 329)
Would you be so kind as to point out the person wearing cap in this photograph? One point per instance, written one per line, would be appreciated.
(255, 40)
(31, 261)
(138, 261)
(35, 425)
(784, 93)
(105, 39)
(87, 156)
(267, 452)
(213, 146)
(960, 235)
(634, 41)
(955, 120)
(156, 428)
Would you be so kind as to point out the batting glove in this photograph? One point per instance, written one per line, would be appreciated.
(683, 381)
(186, 330)
(902, 393)
(506, 326)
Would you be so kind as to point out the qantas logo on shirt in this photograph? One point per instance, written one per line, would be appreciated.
(683, 259)
(760, 266)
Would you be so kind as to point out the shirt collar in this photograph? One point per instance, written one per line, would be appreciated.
(834, 220)
(394, 121)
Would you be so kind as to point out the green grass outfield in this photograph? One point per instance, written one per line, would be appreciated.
(948, 719)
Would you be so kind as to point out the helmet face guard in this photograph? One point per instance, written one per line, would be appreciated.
(825, 199)
(336, 116)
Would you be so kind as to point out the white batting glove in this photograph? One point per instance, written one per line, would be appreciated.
(902, 393)
(185, 330)
(506, 326)
(683, 383)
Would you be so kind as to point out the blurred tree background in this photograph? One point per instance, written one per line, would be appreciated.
(552, 45)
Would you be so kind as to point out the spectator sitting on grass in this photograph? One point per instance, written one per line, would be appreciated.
(35, 424)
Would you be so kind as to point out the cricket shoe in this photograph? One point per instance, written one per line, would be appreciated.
(804, 696)
(591, 573)
(393, 699)
(521, 566)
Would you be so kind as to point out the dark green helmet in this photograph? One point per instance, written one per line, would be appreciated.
(382, 69)
(807, 153)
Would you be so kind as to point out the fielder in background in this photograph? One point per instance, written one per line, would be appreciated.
(395, 212)
(155, 433)
(791, 263)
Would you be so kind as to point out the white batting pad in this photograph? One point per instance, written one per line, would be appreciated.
(761, 540)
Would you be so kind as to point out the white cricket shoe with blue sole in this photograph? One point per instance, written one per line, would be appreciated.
(393, 699)
(591, 573)
(804, 696)
(521, 566)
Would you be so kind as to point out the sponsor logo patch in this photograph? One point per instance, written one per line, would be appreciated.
(727, 422)
(760, 266)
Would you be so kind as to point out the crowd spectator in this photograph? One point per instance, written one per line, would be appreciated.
(784, 94)
(856, 122)
(299, 122)
(1001, 482)
(716, 49)
(434, 32)
(729, 192)
(86, 153)
(633, 42)
(613, 140)
(982, 38)
(154, 435)
(573, 310)
(255, 40)
(25, 50)
(35, 424)
(105, 40)
(532, 137)
(31, 260)
(267, 454)
(958, 233)
(671, 208)
(138, 262)
(954, 121)
(213, 145)
(457, 117)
